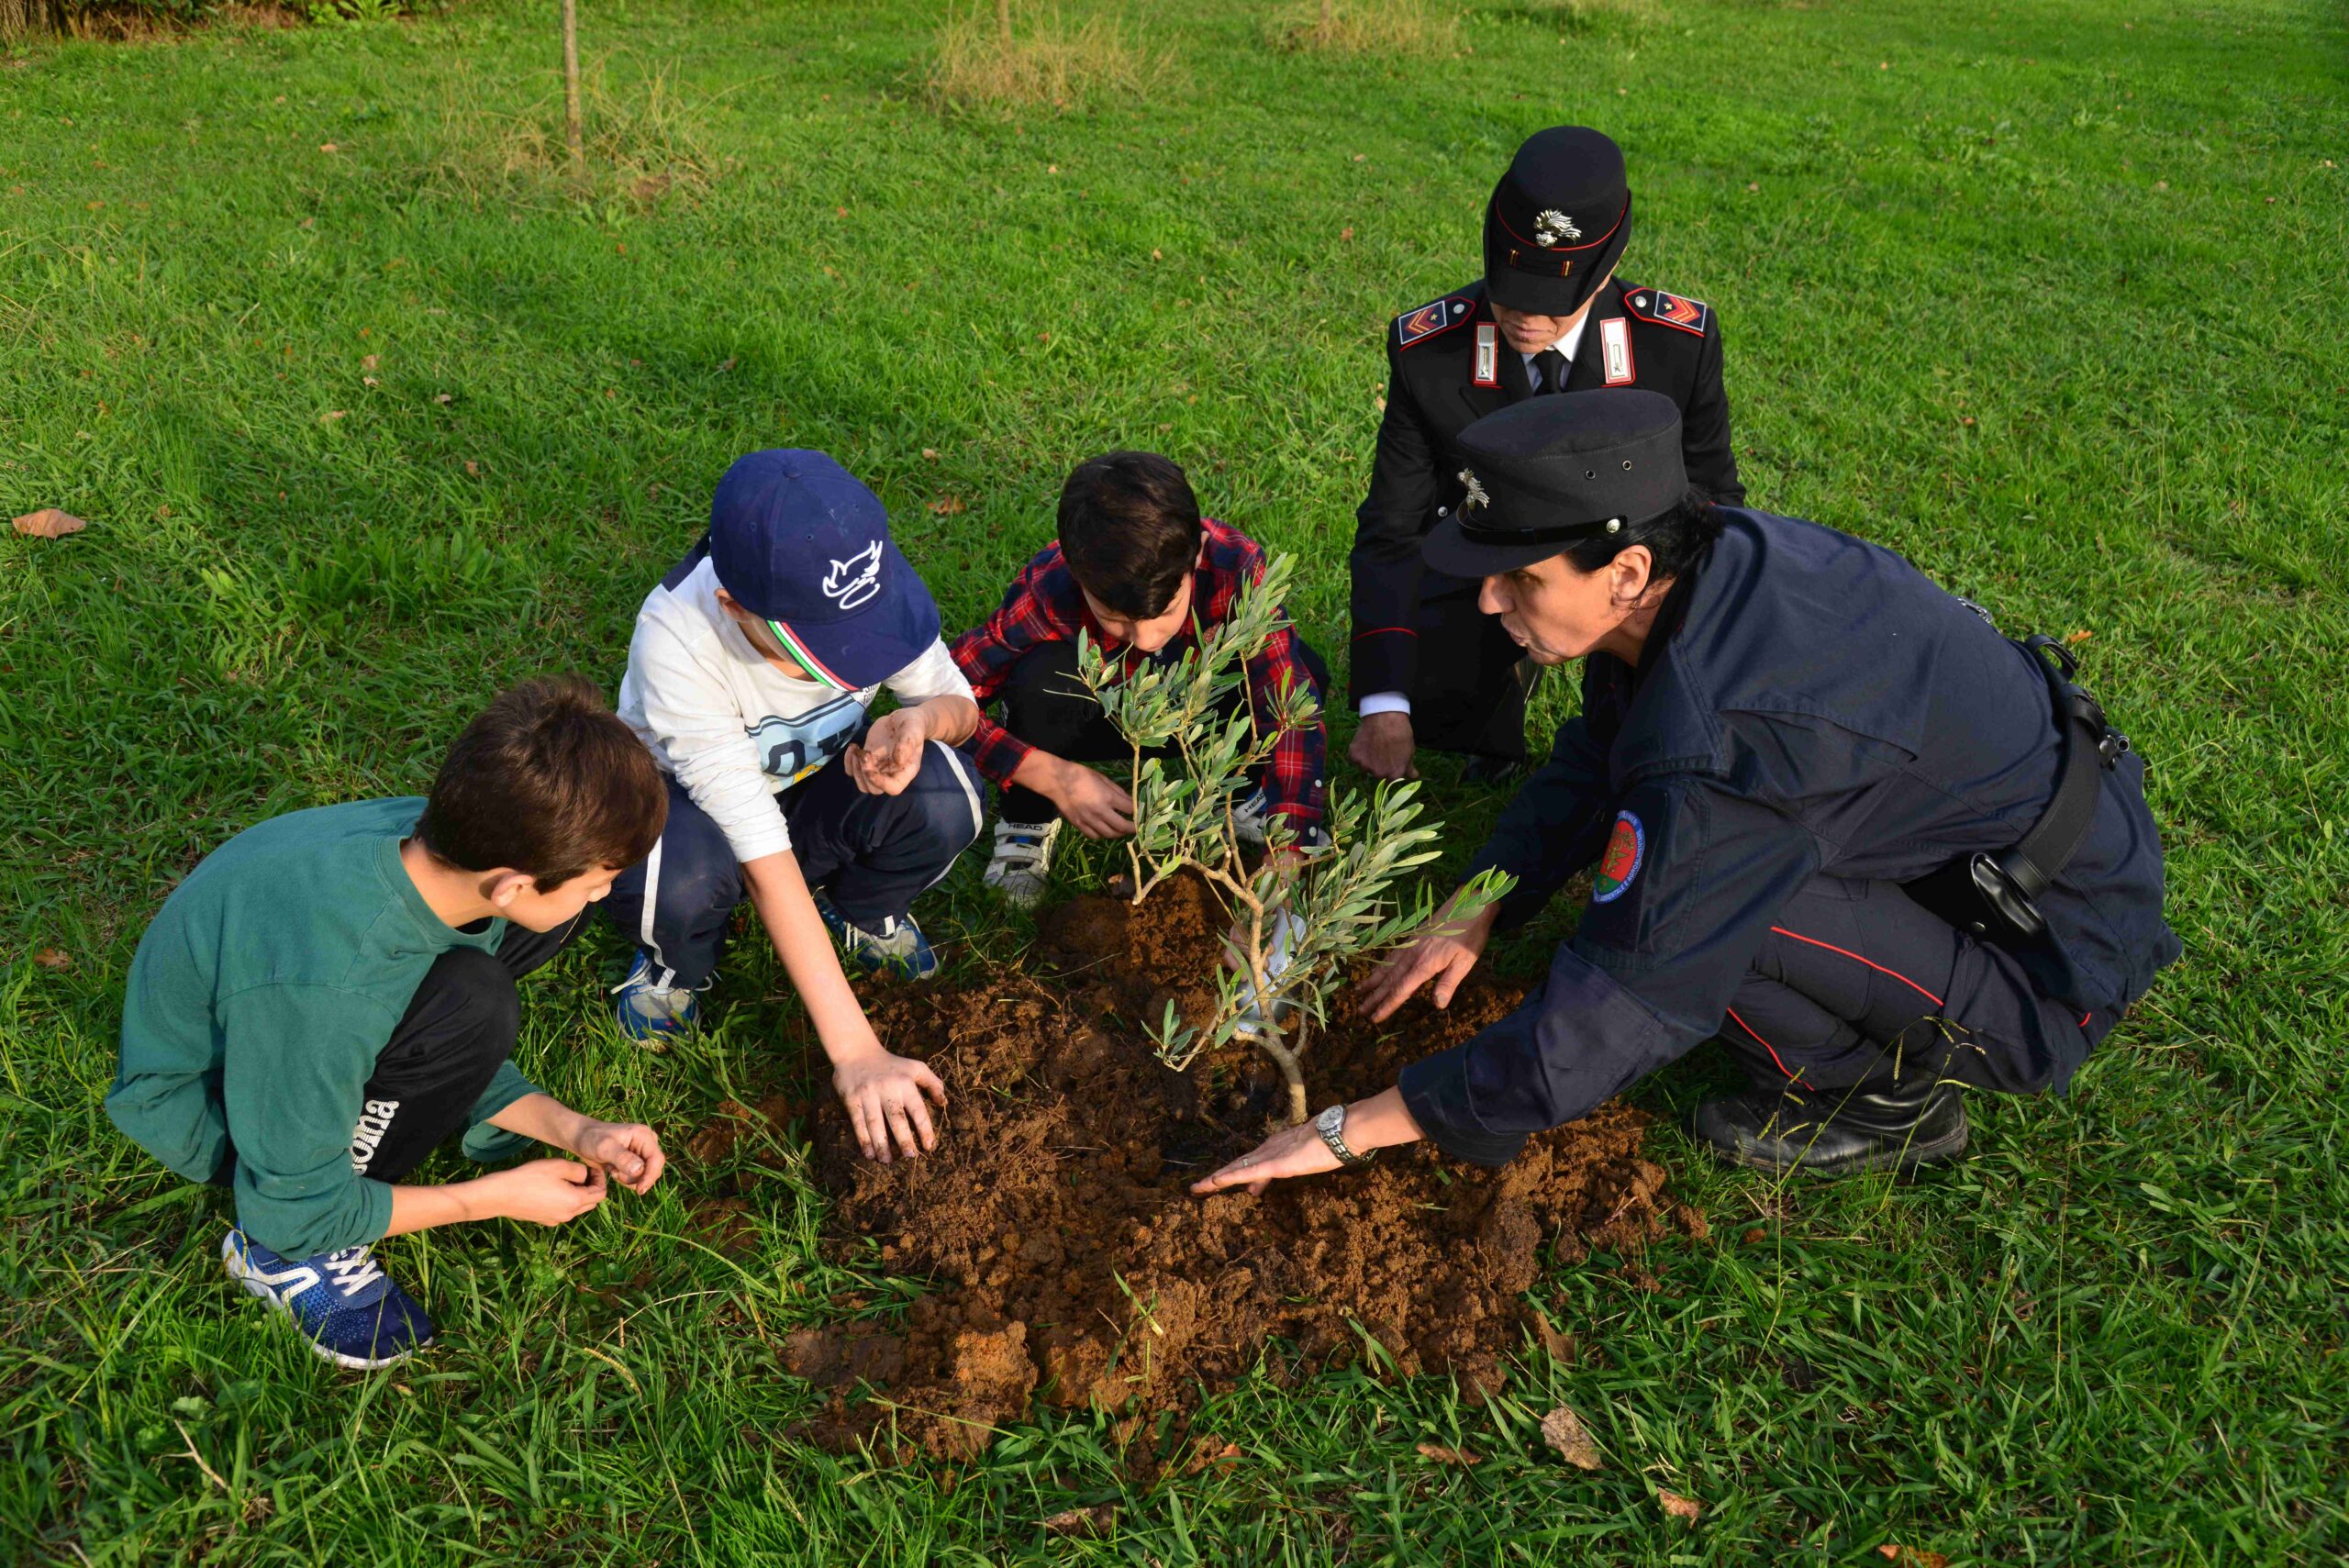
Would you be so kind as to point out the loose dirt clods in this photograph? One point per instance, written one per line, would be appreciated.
(1070, 1264)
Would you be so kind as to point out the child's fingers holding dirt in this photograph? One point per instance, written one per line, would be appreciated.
(550, 1192)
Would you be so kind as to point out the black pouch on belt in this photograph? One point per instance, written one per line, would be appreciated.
(1997, 895)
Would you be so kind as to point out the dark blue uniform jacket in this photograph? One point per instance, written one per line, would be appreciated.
(1821, 708)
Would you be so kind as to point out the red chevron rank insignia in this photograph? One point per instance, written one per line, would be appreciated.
(1670, 309)
(1437, 315)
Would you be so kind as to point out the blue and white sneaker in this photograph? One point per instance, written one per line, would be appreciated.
(347, 1307)
(650, 1011)
(898, 947)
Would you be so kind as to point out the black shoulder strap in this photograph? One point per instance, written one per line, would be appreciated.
(2090, 746)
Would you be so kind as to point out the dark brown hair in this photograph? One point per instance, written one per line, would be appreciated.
(1129, 530)
(1677, 539)
(546, 781)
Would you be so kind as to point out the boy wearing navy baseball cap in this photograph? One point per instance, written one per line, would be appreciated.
(749, 676)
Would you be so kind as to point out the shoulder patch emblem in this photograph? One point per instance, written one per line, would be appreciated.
(1435, 317)
(1669, 309)
(1627, 847)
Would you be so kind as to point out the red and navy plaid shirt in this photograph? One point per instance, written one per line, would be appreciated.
(1044, 604)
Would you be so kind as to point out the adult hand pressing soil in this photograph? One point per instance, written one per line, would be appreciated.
(1378, 1122)
(1444, 952)
(883, 1096)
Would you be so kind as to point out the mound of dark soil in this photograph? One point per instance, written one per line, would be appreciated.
(1068, 1262)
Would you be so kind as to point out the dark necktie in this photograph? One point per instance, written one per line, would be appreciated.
(1552, 366)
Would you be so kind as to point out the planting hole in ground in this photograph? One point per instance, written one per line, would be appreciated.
(1065, 1261)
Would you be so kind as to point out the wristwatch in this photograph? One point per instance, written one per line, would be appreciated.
(1332, 1125)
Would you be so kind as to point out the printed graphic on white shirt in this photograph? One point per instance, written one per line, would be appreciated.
(790, 748)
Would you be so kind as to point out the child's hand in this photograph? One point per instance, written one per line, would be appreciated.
(891, 755)
(884, 1094)
(630, 1150)
(549, 1192)
(1095, 804)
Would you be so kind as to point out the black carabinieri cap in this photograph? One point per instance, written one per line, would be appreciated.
(1557, 222)
(1549, 471)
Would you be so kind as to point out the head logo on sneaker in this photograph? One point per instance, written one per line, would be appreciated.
(857, 578)
(1626, 848)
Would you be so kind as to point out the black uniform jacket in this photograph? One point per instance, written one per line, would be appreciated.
(1661, 341)
(1821, 709)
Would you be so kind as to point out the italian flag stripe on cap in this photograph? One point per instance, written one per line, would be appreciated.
(807, 660)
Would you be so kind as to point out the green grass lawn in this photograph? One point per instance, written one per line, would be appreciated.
(2045, 295)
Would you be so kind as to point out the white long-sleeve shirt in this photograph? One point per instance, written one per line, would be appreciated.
(732, 727)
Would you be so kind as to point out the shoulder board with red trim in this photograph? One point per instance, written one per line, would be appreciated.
(1668, 309)
(1438, 316)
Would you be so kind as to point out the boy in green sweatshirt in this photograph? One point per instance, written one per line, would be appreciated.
(330, 994)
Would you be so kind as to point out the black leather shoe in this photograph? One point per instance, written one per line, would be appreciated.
(1837, 1132)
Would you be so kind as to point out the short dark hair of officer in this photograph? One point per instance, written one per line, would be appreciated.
(548, 782)
(1585, 475)
(1129, 530)
(1557, 222)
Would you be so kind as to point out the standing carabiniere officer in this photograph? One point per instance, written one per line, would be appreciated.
(1549, 316)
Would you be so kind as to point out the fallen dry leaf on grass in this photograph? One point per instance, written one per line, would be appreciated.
(1563, 1430)
(2073, 638)
(48, 523)
(1443, 1455)
(52, 958)
(1913, 1557)
(1555, 1339)
(947, 506)
(1206, 1450)
(1081, 1521)
(332, 415)
(1678, 1506)
(369, 361)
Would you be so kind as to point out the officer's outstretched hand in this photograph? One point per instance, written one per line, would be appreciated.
(1383, 747)
(1444, 952)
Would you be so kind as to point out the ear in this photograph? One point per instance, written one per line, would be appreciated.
(1629, 573)
(506, 884)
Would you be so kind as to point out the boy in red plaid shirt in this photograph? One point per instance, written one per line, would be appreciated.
(1134, 567)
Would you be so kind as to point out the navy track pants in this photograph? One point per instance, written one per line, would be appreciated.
(871, 854)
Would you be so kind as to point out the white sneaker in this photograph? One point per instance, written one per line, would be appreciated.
(1249, 817)
(1023, 854)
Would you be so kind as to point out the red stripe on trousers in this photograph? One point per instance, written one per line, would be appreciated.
(1765, 1045)
(1855, 958)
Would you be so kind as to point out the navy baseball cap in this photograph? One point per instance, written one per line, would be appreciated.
(801, 543)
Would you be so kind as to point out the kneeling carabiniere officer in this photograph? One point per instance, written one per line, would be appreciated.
(1549, 316)
(1835, 820)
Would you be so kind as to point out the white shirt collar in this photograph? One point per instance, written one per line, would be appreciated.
(1566, 345)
